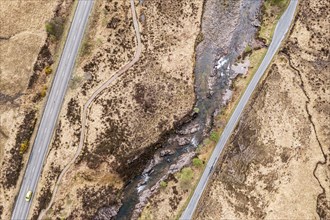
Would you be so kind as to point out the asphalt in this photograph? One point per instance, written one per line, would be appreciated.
(52, 108)
(100, 88)
(281, 29)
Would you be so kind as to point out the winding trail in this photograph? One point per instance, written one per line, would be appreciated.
(103, 86)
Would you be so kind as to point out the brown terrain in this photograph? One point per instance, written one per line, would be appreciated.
(275, 166)
(27, 53)
(277, 162)
(169, 200)
(126, 119)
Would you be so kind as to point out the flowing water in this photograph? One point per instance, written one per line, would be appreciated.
(227, 26)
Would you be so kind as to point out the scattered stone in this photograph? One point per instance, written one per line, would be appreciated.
(166, 152)
(183, 161)
(107, 212)
(192, 128)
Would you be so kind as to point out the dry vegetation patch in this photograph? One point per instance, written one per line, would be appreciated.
(26, 54)
(129, 116)
(155, 93)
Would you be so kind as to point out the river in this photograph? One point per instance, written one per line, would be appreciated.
(227, 27)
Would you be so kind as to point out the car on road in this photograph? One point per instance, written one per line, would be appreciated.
(28, 196)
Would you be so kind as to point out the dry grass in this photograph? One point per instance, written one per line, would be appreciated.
(24, 52)
(129, 116)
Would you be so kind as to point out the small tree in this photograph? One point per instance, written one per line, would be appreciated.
(214, 136)
(248, 49)
(196, 110)
(163, 184)
(50, 28)
(48, 70)
(197, 162)
(43, 91)
(186, 176)
(55, 27)
(24, 146)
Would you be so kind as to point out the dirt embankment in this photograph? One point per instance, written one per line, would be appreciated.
(276, 164)
(27, 50)
(129, 116)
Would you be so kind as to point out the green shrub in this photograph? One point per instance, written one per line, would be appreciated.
(196, 110)
(48, 70)
(43, 91)
(55, 27)
(197, 162)
(185, 177)
(49, 28)
(186, 174)
(163, 184)
(24, 146)
(214, 136)
(248, 49)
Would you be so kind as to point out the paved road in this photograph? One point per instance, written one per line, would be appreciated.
(53, 107)
(279, 34)
(103, 86)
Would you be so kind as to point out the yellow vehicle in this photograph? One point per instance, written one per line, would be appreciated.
(28, 196)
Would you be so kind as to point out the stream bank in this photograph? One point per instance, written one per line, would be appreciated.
(227, 28)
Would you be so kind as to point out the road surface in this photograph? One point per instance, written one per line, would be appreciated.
(52, 108)
(103, 86)
(282, 27)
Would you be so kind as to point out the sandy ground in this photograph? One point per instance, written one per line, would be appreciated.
(276, 165)
(22, 53)
(128, 117)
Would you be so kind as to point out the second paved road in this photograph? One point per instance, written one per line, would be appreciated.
(53, 107)
(282, 27)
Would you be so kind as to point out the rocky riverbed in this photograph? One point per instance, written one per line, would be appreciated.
(227, 28)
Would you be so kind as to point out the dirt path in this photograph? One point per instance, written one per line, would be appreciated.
(92, 98)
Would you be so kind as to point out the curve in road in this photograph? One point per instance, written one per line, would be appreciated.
(103, 86)
(52, 109)
(281, 29)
